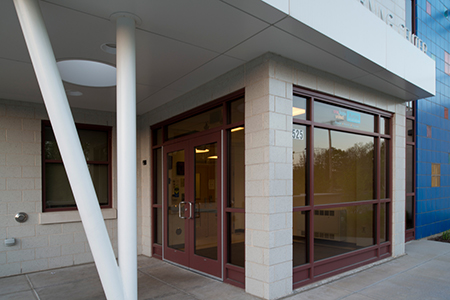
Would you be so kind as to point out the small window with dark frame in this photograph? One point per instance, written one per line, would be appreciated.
(435, 175)
(96, 144)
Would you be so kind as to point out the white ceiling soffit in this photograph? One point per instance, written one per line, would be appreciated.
(184, 44)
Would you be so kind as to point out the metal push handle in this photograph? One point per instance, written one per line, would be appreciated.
(190, 210)
(179, 210)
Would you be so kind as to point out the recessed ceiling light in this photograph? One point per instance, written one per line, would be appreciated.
(201, 150)
(74, 93)
(109, 48)
(237, 129)
(87, 73)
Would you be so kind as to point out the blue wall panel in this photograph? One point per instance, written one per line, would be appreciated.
(433, 203)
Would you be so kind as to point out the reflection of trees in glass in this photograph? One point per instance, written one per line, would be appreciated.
(348, 173)
(299, 176)
(383, 169)
(299, 161)
(51, 150)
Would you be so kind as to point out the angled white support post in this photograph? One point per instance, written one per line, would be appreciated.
(58, 110)
(126, 149)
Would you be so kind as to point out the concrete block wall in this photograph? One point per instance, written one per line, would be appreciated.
(268, 172)
(144, 188)
(38, 246)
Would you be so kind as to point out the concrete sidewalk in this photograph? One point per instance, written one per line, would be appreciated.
(424, 273)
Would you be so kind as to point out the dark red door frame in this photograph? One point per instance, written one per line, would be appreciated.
(188, 257)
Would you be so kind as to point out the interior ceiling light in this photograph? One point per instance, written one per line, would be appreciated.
(297, 111)
(237, 129)
(201, 151)
(87, 73)
(109, 48)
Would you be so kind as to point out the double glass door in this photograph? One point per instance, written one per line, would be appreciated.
(193, 204)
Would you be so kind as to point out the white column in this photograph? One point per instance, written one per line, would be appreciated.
(58, 109)
(126, 151)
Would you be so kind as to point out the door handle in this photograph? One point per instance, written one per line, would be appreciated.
(190, 210)
(179, 210)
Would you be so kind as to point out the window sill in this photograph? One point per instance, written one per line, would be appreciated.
(72, 216)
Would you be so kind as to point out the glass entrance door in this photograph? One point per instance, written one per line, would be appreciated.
(193, 204)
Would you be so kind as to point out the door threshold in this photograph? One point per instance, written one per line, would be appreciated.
(193, 270)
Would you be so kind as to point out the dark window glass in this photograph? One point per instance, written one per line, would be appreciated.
(341, 230)
(175, 191)
(343, 167)
(206, 201)
(409, 130)
(338, 116)
(410, 108)
(236, 112)
(300, 238)
(201, 122)
(299, 108)
(236, 239)
(157, 225)
(383, 223)
(236, 171)
(57, 188)
(51, 150)
(409, 168)
(409, 212)
(157, 159)
(157, 136)
(96, 147)
(384, 168)
(94, 144)
(299, 157)
(385, 126)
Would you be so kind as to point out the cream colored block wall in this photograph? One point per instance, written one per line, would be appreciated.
(144, 188)
(38, 247)
(268, 123)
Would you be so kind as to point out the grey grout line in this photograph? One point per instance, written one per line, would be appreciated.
(32, 287)
(171, 285)
(396, 274)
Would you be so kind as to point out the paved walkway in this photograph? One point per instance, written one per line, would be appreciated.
(424, 273)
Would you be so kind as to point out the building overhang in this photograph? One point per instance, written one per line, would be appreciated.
(345, 38)
(182, 45)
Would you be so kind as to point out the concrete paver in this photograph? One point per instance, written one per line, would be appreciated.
(14, 284)
(421, 274)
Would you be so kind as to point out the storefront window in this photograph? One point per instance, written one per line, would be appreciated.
(341, 179)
